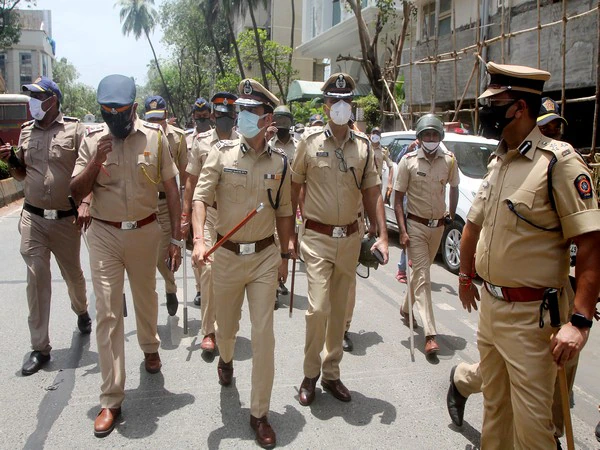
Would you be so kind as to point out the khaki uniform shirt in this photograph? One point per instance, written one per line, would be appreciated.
(49, 156)
(289, 148)
(333, 195)
(238, 178)
(511, 252)
(126, 187)
(178, 147)
(381, 155)
(425, 182)
(189, 138)
(203, 143)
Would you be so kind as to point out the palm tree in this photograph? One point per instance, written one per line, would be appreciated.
(210, 10)
(228, 7)
(137, 17)
(249, 5)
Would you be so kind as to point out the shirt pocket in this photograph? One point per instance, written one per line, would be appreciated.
(109, 172)
(353, 178)
(33, 153)
(320, 169)
(234, 187)
(521, 203)
(147, 168)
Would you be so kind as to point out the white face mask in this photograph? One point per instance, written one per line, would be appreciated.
(340, 113)
(375, 138)
(430, 147)
(35, 107)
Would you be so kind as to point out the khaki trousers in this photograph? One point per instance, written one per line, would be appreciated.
(256, 276)
(518, 374)
(39, 238)
(330, 269)
(112, 252)
(352, 290)
(424, 244)
(207, 308)
(163, 252)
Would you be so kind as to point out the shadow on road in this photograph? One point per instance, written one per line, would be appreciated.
(449, 345)
(363, 340)
(359, 412)
(470, 433)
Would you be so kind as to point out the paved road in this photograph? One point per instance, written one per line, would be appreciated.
(396, 403)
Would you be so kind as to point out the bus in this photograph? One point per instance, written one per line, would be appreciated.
(14, 111)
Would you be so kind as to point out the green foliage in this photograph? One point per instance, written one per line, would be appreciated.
(230, 81)
(10, 27)
(303, 110)
(4, 173)
(78, 98)
(372, 111)
(137, 16)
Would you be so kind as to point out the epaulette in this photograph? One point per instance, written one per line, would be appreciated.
(154, 126)
(448, 153)
(204, 134)
(70, 119)
(26, 124)
(277, 150)
(359, 134)
(411, 154)
(559, 148)
(93, 129)
(178, 130)
(189, 131)
(224, 143)
(313, 131)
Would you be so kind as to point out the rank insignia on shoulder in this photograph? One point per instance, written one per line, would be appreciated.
(583, 184)
(566, 152)
(525, 147)
(154, 126)
(323, 154)
(204, 134)
(233, 170)
(26, 124)
(224, 143)
(94, 129)
(272, 176)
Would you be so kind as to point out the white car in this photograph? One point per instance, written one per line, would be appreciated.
(472, 154)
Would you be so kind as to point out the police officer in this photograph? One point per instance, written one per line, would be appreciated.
(549, 119)
(223, 115)
(316, 120)
(121, 163)
(239, 176)
(423, 176)
(44, 161)
(156, 112)
(201, 115)
(336, 167)
(521, 223)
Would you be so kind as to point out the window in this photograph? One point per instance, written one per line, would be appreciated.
(3, 65)
(445, 19)
(337, 13)
(472, 158)
(25, 68)
(45, 65)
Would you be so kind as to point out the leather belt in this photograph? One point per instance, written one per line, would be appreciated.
(332, 230)
(51, 214)
(520, 294)
(247, 248)
(130, 225)
(162, 195)
(431, 223)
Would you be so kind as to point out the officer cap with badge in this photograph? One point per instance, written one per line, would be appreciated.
(508, 77)
(339, 85)
(200, 105)
(253, 94)
(43, 84)
(115, 93)
(156, 108)
(316, 120)
(549, 111)
(223, 102)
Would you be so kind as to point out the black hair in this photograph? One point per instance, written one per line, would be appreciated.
(269, 109)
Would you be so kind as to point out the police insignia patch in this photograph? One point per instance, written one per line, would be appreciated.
(153, 104)
(340, 83)
(583, 185)
(247, 87)
(549, 105)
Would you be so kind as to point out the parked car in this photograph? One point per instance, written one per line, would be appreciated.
(472, 154)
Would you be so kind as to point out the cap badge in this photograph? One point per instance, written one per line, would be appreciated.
(340, 83)
(113, 111)
(247, 87)
(153, 104)
(38, 79)
(225, 102)
(549, 105)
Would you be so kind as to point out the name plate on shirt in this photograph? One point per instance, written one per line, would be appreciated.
(232, 170)
(325, 154)
(422, 174)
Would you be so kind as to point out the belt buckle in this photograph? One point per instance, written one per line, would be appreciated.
(247, 249)
(131, 225)
(496, 291)
(51, 214)
(433, 223)
(339, 232)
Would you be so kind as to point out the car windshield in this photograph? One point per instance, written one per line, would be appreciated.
(472, 157)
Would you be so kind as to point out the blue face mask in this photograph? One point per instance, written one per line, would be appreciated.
(248, 124)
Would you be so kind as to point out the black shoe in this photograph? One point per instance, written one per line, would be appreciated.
(172, 304)
(198, 299)
(84, 323)
(598, 432)
(455, 402)
(558, 444)
(276, 306)
(347, 345)
(34, 363)
(282, 290)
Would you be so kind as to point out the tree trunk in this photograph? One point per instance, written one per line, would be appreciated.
(291, 43)
(214, 44)
(160, 73)
(235, 48)
(259, 52)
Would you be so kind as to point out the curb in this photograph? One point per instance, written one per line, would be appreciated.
(10, 190)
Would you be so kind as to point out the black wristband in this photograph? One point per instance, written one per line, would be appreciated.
(287, 255)
(578, 320)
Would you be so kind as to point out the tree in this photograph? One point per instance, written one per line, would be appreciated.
(78, 99)
(137, 17)
(10, 27)
(210, 11)
(369, 42)
(248, 6)
(229, 6)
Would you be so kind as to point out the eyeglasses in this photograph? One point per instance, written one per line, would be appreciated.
(340, 155)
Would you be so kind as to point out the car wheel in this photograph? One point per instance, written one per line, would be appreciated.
(451, 246)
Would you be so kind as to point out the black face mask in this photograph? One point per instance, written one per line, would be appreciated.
(202, 124)
(119, 124)
(493, 120)
(283, 133)
(224, 123)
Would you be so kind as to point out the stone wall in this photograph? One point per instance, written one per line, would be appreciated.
(10, 190)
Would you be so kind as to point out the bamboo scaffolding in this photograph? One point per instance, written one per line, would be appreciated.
(539, 34)
(501, 28)
(410, 101)
(597, 106)
(387, 88)
(478, 57)
(563, 94)
(454, 56)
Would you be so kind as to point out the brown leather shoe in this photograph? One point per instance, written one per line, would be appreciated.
(431, 346)
(337, 389)
(152, 362)
(225, 372)
(105, 421)
(208, 343)
(265, 436)
(307, 390)
(405, 318)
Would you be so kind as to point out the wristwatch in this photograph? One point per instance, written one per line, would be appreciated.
(287, 255)
(578, 320)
